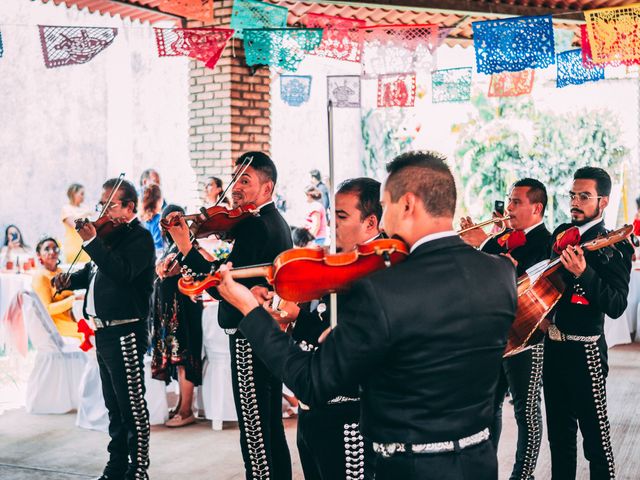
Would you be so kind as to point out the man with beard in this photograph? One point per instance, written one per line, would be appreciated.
(329, 440)
(575, 367)
(257, 393)
(527, 242)
(409, 336)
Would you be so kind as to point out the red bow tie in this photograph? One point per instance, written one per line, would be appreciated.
(570, 236)
(513, 239)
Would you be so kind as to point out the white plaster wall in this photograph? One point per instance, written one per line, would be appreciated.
(125, 110)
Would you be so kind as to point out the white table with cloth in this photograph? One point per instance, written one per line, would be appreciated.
(217, 394)
(10, 284)
(625, 329)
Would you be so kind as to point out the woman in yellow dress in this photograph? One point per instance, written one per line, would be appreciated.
(59, 307)
(70, 213)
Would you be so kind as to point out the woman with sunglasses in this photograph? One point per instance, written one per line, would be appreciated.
(58, 306)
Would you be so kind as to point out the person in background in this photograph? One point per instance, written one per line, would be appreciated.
(177, 335)
(316, 181)
(212, 191)
(70, 213)
(150, 177)
(14, 250)
(316, 221)
(302, 237)
(59, 306)
(150, 208)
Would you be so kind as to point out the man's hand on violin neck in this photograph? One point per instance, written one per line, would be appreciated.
(235, 293)
(86, 230)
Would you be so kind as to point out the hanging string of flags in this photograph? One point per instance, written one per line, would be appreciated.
(509, 50)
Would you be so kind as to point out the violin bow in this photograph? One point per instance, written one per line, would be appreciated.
(104, 210)
(333, 313)
(246, 163)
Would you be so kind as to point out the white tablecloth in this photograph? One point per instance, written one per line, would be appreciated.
(10, 284)
(620, 330)
(217, 394)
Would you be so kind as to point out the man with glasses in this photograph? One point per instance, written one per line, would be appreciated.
(575, 366)
(526, 241)
(119, 281)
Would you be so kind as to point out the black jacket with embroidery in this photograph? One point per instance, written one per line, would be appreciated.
(534, 251)
(604, 285)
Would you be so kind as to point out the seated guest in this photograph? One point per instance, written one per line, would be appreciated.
(71, 212)
(150, 208)
(58, 306)
(14, 249)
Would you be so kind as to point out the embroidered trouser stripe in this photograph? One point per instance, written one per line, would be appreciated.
(598, 387)
(249, 410)
(534, 420)
(137, 402)
(354, 452)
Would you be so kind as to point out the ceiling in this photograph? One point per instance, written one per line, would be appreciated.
(455, 14)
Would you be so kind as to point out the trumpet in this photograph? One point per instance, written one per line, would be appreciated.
(484, 224)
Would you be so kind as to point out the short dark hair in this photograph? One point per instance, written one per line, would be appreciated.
(426, 175)
(44, 240)
(127, 192)
(301, 236)
(261, 163)
(601, 177)
(368, 192)
(147, 173)
(537, 192)
(73, 189)
(315, 173)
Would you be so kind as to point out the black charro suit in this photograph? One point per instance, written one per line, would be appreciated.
(521, 374)
(329, 440)
(257, 393)
(576, 367)
(424, 339)
(122, 270)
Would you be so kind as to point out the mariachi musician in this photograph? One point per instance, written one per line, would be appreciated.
(575, 367)
(119, 281)
(408, 336)
(527, 243)
(257, 393)
(330, 444)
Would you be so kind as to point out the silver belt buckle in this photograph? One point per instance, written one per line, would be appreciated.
(97, 322)
(554, 333)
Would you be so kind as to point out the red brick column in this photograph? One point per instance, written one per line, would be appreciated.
(229, 107)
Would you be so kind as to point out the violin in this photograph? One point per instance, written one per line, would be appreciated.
(104, 225)
(540, 290)
(216, 220)
(305, 274)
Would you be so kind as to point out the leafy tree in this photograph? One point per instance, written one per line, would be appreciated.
(509, 138)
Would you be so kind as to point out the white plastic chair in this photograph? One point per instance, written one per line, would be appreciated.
(217, 393)
(53, 384)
